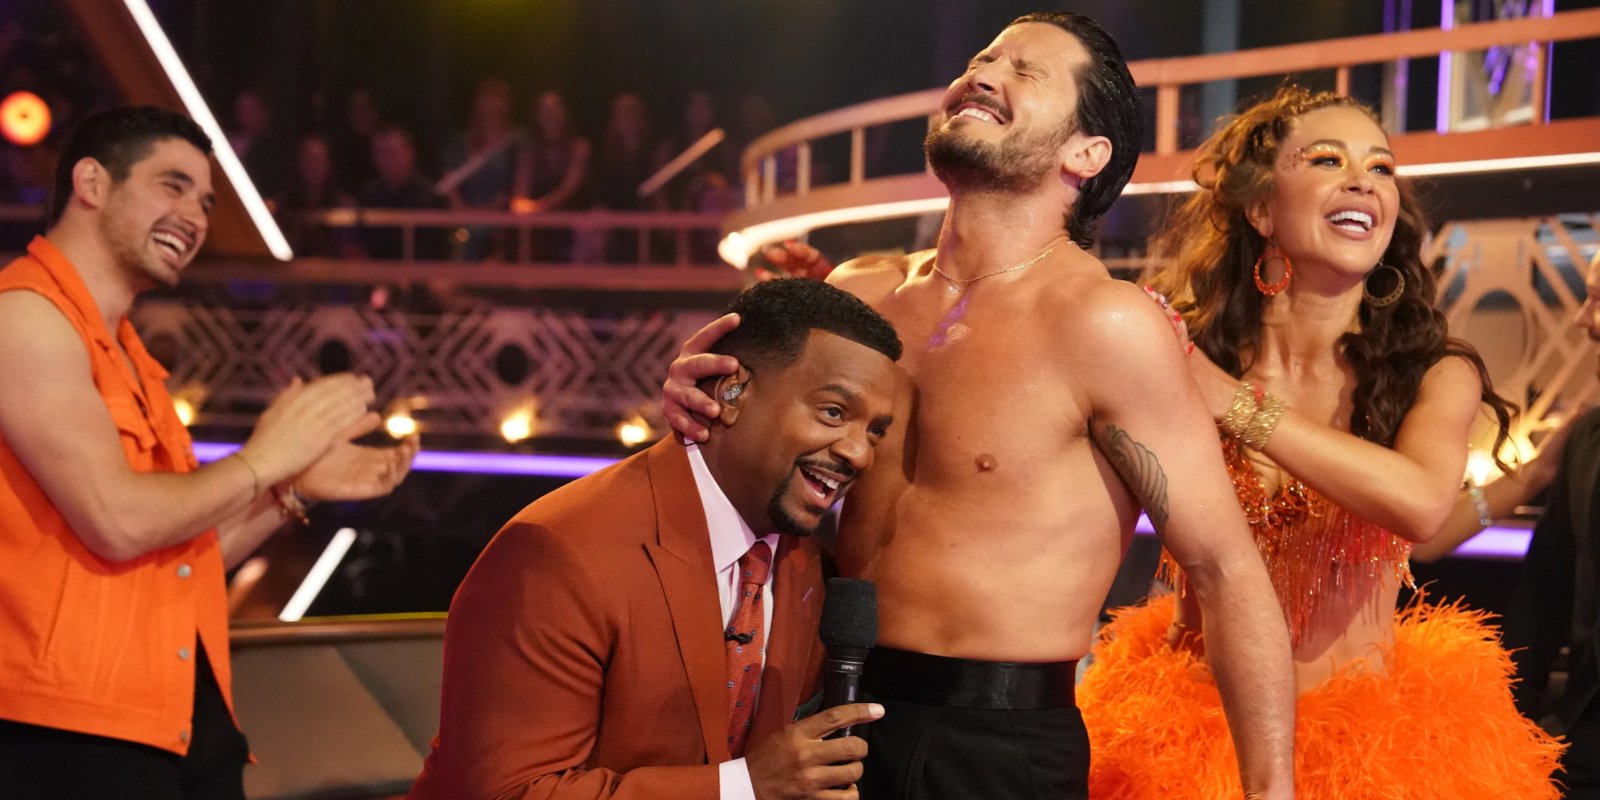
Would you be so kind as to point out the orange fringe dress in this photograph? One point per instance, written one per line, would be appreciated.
(1438, 724)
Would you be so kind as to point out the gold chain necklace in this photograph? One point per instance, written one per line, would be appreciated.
(1024, 265)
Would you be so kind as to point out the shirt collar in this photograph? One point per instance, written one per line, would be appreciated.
(147, 371)
(77, 292)
(731, 536)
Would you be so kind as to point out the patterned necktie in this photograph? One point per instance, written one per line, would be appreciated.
(745, 640)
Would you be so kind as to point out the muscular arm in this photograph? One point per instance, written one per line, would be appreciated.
(59, 427)
(525, 658)
(58, 424)
(1149, 422)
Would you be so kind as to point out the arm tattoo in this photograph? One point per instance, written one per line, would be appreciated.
(1139, 469)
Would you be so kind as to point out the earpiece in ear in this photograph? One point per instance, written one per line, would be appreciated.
(732, 393)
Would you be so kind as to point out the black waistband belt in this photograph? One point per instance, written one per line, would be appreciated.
(924, 679)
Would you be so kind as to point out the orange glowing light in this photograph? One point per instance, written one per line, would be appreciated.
(24, 118)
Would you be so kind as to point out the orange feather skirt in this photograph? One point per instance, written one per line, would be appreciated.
(1439, 724)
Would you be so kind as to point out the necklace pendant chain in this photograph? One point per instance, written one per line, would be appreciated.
(1024, 265)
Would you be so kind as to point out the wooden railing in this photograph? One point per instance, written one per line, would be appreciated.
(332, 630)
(650, 227)
(770, 206)
(664, 244)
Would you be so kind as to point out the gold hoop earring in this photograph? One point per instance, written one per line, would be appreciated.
(1272, 289)
(1383, 301)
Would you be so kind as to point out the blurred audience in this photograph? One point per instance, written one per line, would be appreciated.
(705, 184)
(710, 173)
(352, 143)
(627, 158)
(313, 188)
(492, 163)
(398, 185)
(257, 146)
(553, 174)
(480, 165)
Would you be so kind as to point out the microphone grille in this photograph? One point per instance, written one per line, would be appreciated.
(850, 613)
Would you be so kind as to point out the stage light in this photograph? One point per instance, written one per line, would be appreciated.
(400, 424)
(185, 410)
(634, 431)
(187, 400)
(200, 112)
(24, 118)
(517, 426)
(318, 576)
(738, 246)
(1479, 467)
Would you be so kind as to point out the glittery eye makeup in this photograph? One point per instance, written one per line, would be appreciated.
(1320, 154)
(1329, 154)
(1382, 164)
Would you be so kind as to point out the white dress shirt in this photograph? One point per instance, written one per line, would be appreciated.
(731, 538)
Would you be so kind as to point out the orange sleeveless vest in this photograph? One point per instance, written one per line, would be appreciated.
(87, 645)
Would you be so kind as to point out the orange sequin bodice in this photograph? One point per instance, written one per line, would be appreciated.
(1313, 549)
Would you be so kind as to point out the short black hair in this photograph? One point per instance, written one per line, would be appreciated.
(776, 319)
(1108, 105)
(118, 138)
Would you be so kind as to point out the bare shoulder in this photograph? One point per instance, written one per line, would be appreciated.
(873, 278)
(1105, 319)
(1452, 370)
(1451, 377)
(31, 325)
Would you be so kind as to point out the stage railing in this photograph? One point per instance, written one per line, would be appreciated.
(660, 237)
(650, 227)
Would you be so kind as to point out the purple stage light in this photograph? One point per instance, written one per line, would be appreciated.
(1498, 542)
(544, 466)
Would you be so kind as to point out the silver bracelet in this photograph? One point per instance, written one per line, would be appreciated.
(1482, 505)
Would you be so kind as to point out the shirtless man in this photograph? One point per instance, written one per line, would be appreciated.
(1051, 405)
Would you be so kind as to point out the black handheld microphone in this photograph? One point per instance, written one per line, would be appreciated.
(849, 629)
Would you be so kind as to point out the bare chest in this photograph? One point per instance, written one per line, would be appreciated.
(991, 396)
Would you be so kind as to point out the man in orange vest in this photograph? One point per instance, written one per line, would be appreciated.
(114, 676)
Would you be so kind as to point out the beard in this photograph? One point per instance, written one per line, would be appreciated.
(129, 247)
(1018, 162)
(780, 516)
(781, 519)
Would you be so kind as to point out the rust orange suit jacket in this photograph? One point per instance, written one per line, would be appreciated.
(584, 657)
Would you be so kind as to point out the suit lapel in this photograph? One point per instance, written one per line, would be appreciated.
(683, 562)
(795, 614)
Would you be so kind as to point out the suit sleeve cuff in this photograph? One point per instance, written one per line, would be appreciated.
(734, 778)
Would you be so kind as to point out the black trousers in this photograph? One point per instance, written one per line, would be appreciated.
(957, 729)
(1580, 765)
(38, 763)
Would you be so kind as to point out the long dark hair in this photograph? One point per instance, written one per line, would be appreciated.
(1208, 251)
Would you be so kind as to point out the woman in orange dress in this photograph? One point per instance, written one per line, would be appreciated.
(1345, 410)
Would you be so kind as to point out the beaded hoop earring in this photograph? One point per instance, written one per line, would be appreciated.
(1272, 289)
(1389, 299)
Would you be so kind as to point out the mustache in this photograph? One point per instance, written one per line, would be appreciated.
(986, 101)
(836, 467)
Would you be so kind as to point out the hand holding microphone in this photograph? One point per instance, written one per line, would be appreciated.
(818, 755)
(849, 630)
